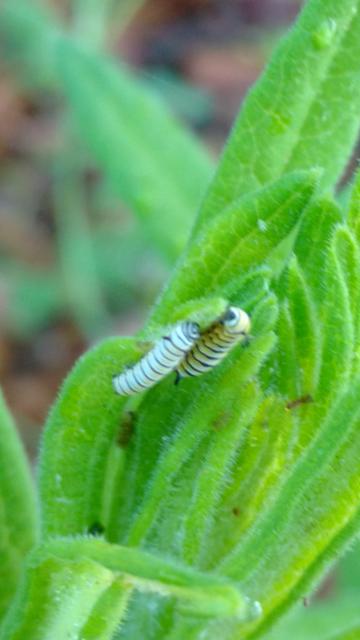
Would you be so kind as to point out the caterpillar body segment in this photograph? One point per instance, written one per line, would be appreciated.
(215, 343)
(163, 358)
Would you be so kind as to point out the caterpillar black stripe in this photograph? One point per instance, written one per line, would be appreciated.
(161, 360)
(215, 343)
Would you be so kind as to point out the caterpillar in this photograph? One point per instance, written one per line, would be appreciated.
(163, 358)
(215, 343)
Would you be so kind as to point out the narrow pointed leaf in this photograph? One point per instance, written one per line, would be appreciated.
(337, 329)
(133, 139)
(215, 472)
(240, 239)
(307, 338)
(318, 224)
(18, 512)
(347, 252)
(291, 118)
(107, 613)
(80, 278)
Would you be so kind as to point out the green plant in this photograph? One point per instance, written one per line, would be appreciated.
(132, 135)
(223, 501)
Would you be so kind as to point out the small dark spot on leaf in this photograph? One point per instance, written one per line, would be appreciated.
(236, 511)
(127, 429)
(221, 421)
(96, 529)
(306, 601)
(299, 401)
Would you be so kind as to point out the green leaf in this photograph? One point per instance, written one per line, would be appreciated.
(72, 584)
(201, 310)
(240, 239)
(18, 517)
(354, 209)
(333, 613)
(248, 289)
(327, 284)
(215, 473)
(92, 20)
(293, 501)
(292, 117)
(202, 594)
(318, 224)
(105, 617)
(353, 634)
(256, 470)
(250, 473)
(35, 297)
(79, 436)
(154, 165)
(309, 508)
(319, 622)
(315, 571)
(77, 266)
(317, 500)
(306, 330)
(56, 599)
(29, 30)
(348, 256)
(337, 329)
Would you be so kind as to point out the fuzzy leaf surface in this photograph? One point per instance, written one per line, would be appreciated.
(56, 599)
(79, 437)
(241, 239)
(327, 616)
(292, 117)
(71, 584)
(317, 502)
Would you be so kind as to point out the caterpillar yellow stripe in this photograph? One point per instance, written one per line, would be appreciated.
(215, 343)
(159, 361)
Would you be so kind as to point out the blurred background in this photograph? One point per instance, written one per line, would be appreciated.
(75, 263)
(78, 260)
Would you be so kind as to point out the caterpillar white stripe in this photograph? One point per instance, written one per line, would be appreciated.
(161, 360)
(215, 343)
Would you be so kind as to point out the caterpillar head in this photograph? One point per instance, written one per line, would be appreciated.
(236, 321)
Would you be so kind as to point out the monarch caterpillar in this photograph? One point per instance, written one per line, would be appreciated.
(215, 343)
(163, 358)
